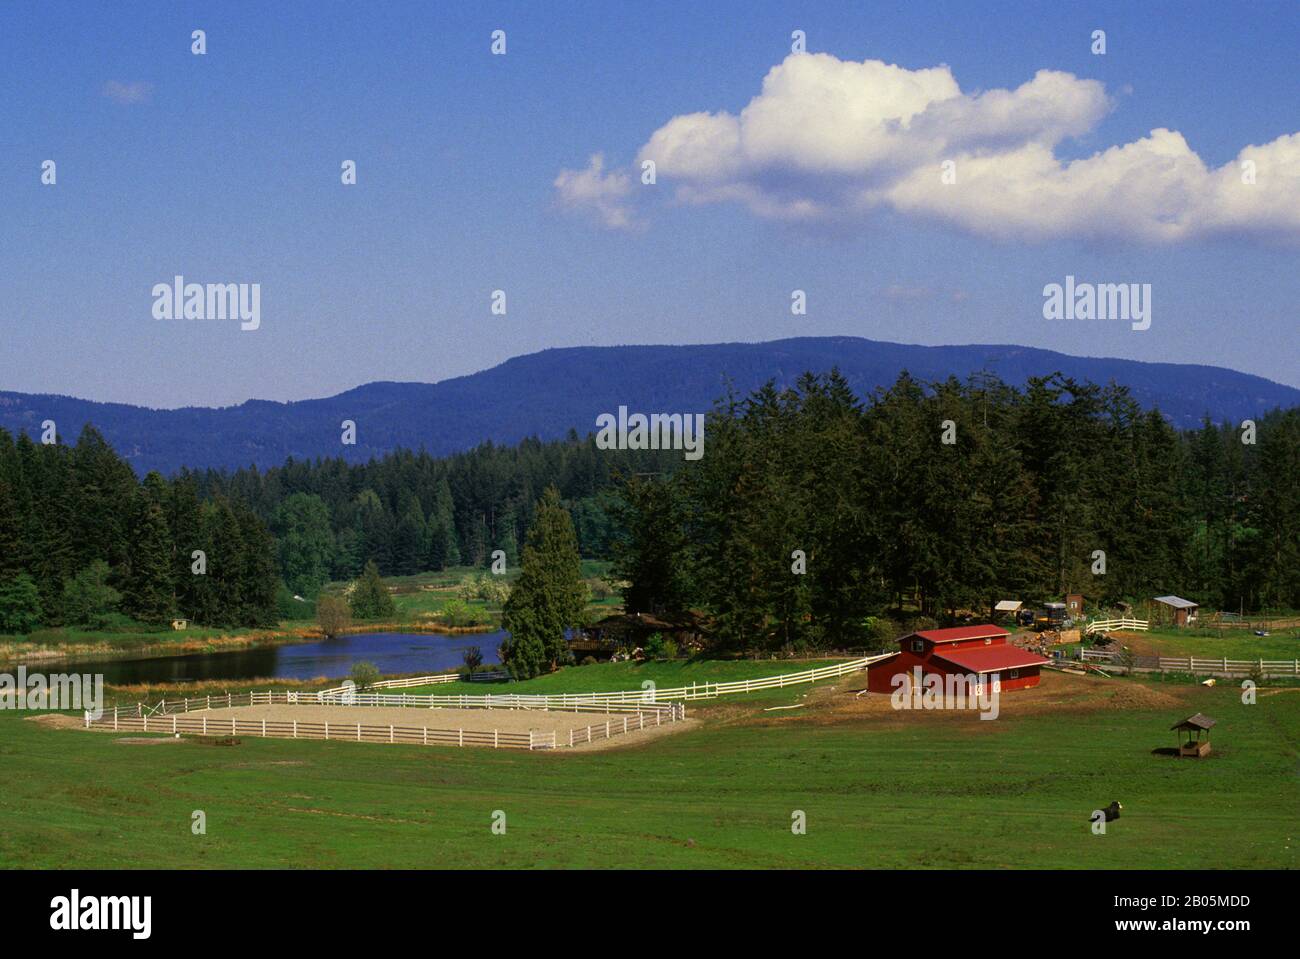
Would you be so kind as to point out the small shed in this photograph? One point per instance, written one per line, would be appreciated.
(1006, 607)
(1183, 610)
(1194, 726)
(1074, 603)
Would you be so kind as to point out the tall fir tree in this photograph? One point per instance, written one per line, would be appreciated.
(549, 596)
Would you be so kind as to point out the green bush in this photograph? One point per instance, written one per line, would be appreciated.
(657, 647)
(364, 674)
(457, 612)
(20, 605)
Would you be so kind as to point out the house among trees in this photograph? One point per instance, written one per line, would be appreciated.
(686, 629)
(1182, 611)
(963, 650)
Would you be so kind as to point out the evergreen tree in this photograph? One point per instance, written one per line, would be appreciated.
(549, 596)
(88, 600)
(370, 598)
(148, 592)
(20, 605)
(305, 541)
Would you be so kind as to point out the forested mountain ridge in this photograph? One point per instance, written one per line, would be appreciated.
(547, 394)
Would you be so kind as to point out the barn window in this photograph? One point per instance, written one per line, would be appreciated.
(1015, 674)
(918, 646)
(988, 642)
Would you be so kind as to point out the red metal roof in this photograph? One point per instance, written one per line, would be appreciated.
(990, 659)
(958, 633)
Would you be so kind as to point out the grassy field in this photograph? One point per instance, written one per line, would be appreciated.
(424, 596)
(603, 677)
(879, 789)
(1232, 643)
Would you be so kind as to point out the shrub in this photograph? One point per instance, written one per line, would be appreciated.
(20, 605)
(287, 607)
(333, 615)
(369, 596)
(473, 658)
(459, 613)
(657, 647)
(364, 674)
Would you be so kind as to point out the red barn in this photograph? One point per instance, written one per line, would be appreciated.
(964, 650)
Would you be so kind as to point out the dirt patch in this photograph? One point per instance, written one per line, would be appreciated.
(847, 701)
(149, 741)
(586, 730)
(57, 721)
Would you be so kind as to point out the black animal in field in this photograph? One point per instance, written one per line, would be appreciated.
(1111, 812)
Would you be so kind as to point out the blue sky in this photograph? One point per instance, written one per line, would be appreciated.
(225, 168)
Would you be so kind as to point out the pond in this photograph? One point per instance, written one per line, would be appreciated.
(426, 653)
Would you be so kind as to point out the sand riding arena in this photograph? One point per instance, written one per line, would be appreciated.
(491, 721)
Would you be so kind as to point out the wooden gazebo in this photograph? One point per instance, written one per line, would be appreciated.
(1194, 726)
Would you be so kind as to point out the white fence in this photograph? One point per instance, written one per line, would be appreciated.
(1195, 665)
(1106, 625)
(427, 681)
(625, 710)
(185, 716)
(649, 694)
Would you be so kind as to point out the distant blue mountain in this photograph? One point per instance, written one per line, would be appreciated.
(546, 394)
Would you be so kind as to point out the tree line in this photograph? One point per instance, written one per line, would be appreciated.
(85, 543)
(410, 512)
(813, 510)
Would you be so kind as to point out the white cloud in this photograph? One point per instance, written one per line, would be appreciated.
(591, 189)
(829, 139)
(137, 91)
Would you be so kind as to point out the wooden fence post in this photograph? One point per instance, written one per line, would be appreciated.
(358, 732)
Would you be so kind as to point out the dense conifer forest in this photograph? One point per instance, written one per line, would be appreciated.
(811, 511)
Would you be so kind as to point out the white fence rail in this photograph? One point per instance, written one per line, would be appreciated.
(625, 696)
(1105, 625)
(187, 716)
(1195, 665)
(410, 681)
(625, 710)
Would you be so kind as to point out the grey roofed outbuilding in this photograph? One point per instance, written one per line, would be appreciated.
(1177, 602)
(1008, 605)
(1198, 721)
